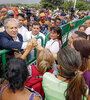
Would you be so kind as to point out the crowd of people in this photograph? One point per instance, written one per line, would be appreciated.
(59, 73)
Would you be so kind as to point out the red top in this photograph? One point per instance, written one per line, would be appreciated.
(35, 81)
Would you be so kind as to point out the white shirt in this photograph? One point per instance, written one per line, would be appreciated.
(30, 35)
(87, 31)
(23, 45)
(23, 31)
(53, 46)
(2, 29)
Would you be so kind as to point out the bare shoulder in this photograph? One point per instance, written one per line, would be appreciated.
(37, 98)
(3, 84)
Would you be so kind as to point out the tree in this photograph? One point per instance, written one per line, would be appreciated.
(52, 4)
(67, 5)
(81, 5)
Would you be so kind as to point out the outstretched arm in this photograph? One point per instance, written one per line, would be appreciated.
(30, 45)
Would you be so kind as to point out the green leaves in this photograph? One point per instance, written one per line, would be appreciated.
(51, 3)
(81, 5)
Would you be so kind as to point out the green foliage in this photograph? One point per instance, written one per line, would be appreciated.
(67, 5)
(26, 5)
(81, 5)
(52, 4)
(89, 8)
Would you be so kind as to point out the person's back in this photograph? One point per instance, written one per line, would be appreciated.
(45, 61)
(16, 74)
(83, 47)
(9, 95)
(18, 95)
(69, 83)
(54, 88)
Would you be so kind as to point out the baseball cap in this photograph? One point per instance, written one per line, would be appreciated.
(42, 15)
(3, 9)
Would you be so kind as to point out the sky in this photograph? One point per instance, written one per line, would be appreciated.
(19, 1)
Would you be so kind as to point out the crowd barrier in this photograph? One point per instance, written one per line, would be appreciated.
(65, 31)
(4, 52)
(35, 52)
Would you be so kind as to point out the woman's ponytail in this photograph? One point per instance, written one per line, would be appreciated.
(77, 88)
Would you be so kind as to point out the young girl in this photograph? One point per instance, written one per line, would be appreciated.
(56, 39)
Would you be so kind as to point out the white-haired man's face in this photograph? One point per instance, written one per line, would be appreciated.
(12, 29)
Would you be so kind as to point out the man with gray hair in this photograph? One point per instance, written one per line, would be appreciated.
(10, 39)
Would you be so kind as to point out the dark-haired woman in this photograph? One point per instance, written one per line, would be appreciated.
(69, 84)
(16, 74)
(56, 39)
(83, 47)
(55, 43)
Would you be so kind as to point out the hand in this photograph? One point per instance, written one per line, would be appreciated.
(17, 55)
(32, 43)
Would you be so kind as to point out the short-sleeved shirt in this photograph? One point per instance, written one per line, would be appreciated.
(53, 46)
(53, 88)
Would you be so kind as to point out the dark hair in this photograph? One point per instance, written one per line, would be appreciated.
(16, 73)
(58, 30)
(42, 11)
(81, 34)
(36, 23)
(22, 15)
(70, 61)
(53, 19)
(88, 37)
(57, 19)
(83, 46)
(82, 26)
